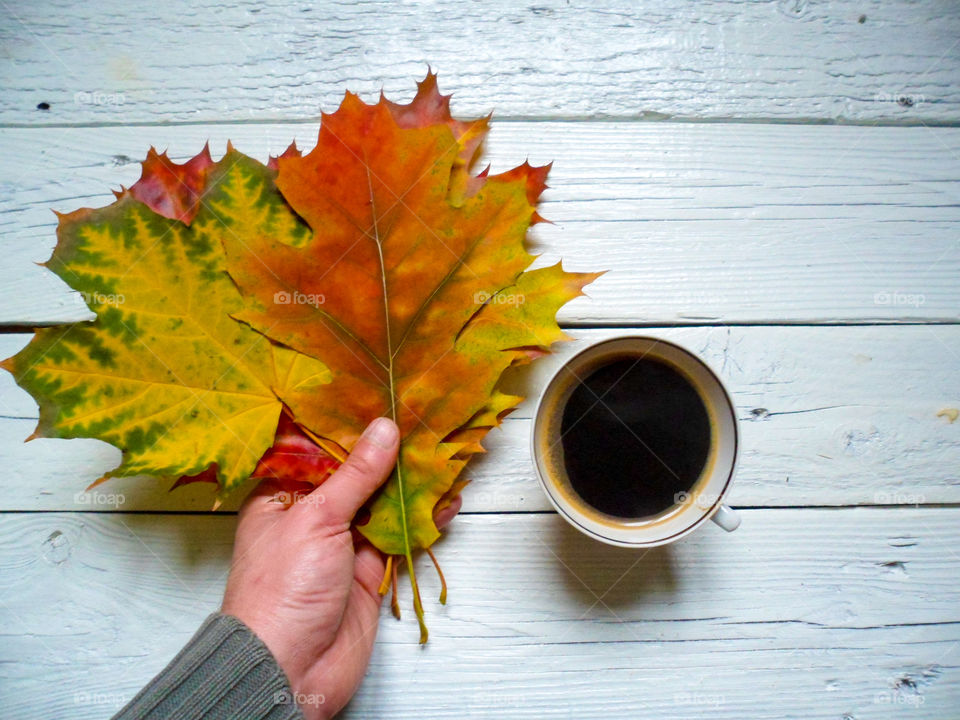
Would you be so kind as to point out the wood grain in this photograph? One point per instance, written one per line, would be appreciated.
(814, 240)
(829, 416)
(798, 614)
(697, 223)
(835, 61)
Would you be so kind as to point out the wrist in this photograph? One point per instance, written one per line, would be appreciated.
(278, 643)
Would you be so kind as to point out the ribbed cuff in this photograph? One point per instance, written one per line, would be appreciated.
(224, 672)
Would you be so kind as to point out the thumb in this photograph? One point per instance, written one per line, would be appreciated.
(368, 465)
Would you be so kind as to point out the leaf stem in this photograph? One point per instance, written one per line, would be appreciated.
(417, 604)
(443, 581)
(385, 583)
(394, 601)
(328, 446)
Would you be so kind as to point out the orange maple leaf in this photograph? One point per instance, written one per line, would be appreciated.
(413, 291)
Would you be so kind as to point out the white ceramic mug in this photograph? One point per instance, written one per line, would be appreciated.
(692, 508)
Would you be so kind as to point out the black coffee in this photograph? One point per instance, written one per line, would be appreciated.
(635, 433)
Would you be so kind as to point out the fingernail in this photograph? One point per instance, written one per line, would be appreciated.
(382, 432)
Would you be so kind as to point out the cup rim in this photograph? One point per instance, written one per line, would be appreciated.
(706, 513)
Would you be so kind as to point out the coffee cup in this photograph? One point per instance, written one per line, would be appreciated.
(635, 442)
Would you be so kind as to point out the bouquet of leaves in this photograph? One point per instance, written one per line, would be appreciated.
(252, 319)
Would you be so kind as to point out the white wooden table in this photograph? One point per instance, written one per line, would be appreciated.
(775, 185)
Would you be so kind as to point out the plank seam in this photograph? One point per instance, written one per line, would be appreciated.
(647, 118)
(8, 329)
(481, 513)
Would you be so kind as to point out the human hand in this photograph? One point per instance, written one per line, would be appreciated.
(306, 584)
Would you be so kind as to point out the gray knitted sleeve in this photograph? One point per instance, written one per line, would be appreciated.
(225, 671)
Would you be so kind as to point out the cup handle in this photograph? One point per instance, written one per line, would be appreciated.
(726, 518)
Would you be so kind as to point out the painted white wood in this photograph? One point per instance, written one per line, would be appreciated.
(122, 62)
(798, 614)
(846, 612)
(829, 416)
(697, 223)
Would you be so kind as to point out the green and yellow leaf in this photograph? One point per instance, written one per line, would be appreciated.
(164, 372)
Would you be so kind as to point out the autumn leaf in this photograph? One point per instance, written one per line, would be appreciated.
(171, 189)
(292, 460)
(412, 290)
(252, 319)
(164, 373)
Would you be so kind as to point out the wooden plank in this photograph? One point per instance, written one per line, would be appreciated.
(698, 223)
(798, 614)
(830, 416)
(272, 59)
